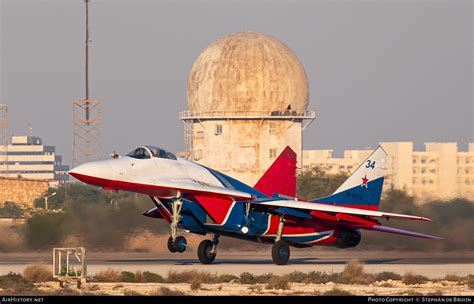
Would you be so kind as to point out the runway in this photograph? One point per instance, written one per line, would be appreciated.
(434, 266)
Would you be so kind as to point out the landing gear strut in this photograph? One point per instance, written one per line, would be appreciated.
(280, 250)
(207, 250)
(176, 243)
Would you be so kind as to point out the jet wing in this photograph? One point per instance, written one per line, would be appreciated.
(337, 209)
(192, 187)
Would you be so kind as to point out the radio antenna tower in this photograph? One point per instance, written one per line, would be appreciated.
(4, 139)
(87, 123)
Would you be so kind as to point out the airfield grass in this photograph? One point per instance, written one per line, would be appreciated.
(353, 273)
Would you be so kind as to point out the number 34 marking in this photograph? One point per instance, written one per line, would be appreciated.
(370, 164)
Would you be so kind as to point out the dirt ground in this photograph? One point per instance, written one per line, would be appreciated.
(386, 288)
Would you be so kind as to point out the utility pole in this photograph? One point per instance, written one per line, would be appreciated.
(87, 121)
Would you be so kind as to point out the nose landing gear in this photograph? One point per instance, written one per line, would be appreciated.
(176, 243)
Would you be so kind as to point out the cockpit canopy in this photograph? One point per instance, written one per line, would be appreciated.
(145, 152)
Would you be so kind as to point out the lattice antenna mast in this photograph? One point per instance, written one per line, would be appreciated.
(87, 124)
(4, 138)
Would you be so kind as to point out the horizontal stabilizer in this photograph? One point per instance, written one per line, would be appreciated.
(402, 232)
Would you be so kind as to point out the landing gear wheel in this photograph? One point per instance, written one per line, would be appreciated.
(180, 244)
(170, 245)
(204, 252)
(280, 253)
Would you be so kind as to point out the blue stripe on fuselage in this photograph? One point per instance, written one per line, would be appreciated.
(357, 196)
(232, 183)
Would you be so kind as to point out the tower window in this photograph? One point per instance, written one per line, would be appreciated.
(197, 154)
(218, 129)
(271, 128)
(200, 134)
(273, 153)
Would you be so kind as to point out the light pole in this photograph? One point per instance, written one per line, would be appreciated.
(46, 199)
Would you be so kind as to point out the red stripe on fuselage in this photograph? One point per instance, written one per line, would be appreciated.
(147, 189)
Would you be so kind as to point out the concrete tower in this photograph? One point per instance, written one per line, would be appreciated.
(248, 98)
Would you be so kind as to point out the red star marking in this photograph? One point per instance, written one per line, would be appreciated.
(364, 182)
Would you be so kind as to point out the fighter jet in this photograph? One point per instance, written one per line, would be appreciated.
(195, 199)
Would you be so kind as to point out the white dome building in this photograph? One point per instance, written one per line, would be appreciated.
(247, 97)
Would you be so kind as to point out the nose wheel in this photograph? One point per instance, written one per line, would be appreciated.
(178, 245)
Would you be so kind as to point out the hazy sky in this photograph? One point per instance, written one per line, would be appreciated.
(377, 70)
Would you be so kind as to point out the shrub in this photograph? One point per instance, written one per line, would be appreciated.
(226, 278)
(248, 278)
(277, 282)
(453, 278)
(412, 279)
(44, 230)
(153, 277)
(127, 276)
(37, 273)
(10, 210)
(196, 284)
(353, 269)
(189, 276)
(470, 281)
(337, 292)
(109, 275)
(387, 275)
(297, 277)
(165, 291)
(14, 283)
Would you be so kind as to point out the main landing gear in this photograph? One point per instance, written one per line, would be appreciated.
(280, 249)
(207, 250)
(176, 243)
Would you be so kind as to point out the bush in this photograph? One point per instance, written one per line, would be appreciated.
(412, 279)
(109, 275)
(190, 276)
(151, 277)
(387, 275)
(165, 291)
(248, 278)
(354, 273)
(37, 273)
(196, 284)
(10, 210)
(470, 281)
(453, 278)
(14, 283)
(277, 282)
(127, 276)
(226, 278)
(337, 292)
(44, 230)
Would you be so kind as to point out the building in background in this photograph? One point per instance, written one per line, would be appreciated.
(248, 98)
(439, 172)
(28, 158)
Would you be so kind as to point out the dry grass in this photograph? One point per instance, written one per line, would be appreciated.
(387, 275)
(410, 278)
(14, 283)
(190, 276)
(196, 283)
(277, 282)
(109, 275)
(336, 291)
(37, 273)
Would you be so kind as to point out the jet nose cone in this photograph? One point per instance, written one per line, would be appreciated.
(93, 172)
